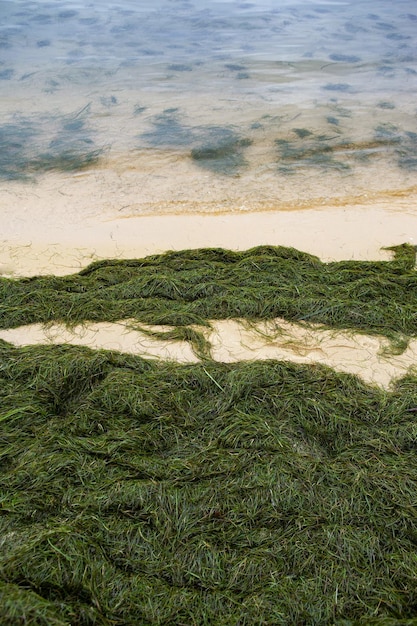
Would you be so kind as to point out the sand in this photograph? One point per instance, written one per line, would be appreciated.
(65, 233)
(51, 229)
(234, 340)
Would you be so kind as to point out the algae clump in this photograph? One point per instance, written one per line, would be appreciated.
(137, 492)
(194, 286)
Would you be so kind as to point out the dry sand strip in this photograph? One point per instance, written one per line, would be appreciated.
(65, 242)
(235, 340)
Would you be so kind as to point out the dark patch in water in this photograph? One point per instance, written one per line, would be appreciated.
(180, 67)
(216, 148)
(345, 58)
(312, 152)
(386, 70)
(88, 20)
(67, 14)
(234, 67)
(51, 86)
(386, 105)
(332, 120)
(109, 101)
(14, 141)
(168, 131)
(222, 152)
(388, 131)
(337, 87)
(26, 148)
(302, 132)
(407, 153)
(139, 109)
(43, 43)
(385, 26)
(42, 18)
(6, 74)
(397, 36)
(354, 28)
(151, 53)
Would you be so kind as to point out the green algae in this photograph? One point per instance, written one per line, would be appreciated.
(311, 151)
(134, 492)
(152, 493)
(195, 286)
(219, 149)
(222, 153)
(30, 146)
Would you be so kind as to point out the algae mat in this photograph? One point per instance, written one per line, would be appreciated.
(194, 286)
(137, 492)
(260, 493)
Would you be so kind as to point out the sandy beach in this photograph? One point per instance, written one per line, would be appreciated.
(68, 234)
(208, 307)
(60, 225)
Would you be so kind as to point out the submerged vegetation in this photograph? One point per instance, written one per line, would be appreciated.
(261, 493)
(219, 149)
(337, 151)
(30, 146)
(194, 286)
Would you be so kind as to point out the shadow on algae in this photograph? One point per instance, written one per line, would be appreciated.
(269, 493)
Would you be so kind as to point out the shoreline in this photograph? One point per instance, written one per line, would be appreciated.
(65, 243)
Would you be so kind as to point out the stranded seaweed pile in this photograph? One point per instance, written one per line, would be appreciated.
(137, 492)
(193, 286)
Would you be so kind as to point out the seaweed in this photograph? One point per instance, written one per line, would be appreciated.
(345, 58)
(194, 286)
(219, 149)
(212, 494)
(135, 491)
(337, 87)
(222, 151)
(315, 151)
(27, 149)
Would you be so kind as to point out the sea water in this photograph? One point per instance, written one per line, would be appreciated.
(198, 105)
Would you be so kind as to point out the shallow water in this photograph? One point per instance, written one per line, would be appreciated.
(216, 105)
